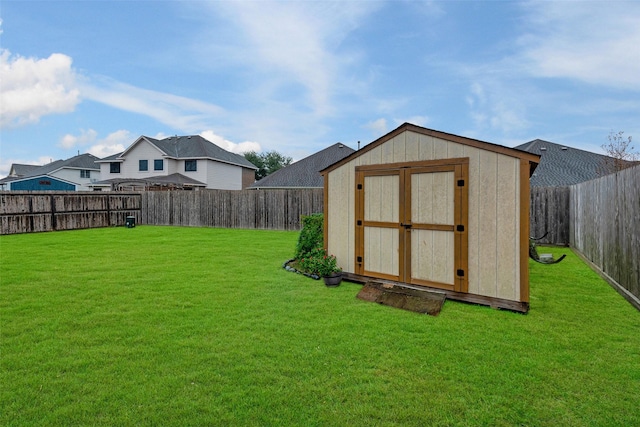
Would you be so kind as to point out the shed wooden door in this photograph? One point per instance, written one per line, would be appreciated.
(411, 223)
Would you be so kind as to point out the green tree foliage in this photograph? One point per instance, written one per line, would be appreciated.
(267, 162)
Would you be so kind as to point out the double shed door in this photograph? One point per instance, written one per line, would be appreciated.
(411, 223)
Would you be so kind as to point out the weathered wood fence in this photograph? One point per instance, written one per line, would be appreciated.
(28, 212)
(549, 214)
(605, 228)
(264, 209)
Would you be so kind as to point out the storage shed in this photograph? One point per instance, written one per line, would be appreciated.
(430, 209)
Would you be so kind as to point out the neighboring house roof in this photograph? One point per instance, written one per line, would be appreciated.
(187, 147)
(305, 173)
(18, 169)
(82, 161)
(561, 165)
(173, 179)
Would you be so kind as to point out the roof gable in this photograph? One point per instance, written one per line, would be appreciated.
(512, 152)
(190, 147)
(306, 172)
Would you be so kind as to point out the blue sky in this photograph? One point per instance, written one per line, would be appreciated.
(296, 77)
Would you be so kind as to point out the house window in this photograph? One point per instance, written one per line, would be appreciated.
(190, 165)
(114, 167)
(143, 165)
(85, 173)
(158, 164)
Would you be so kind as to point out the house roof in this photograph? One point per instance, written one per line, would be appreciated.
(81, 161)
(19, 169)
(188, 147)
(561, 165)
(174, 178)
(305, 173)
(513, 152)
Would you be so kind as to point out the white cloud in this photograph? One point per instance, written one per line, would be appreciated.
(233, 147)
(85, 138)
(179, 112)
(114, 143)
(293, 44)
(378, 127)
(596, 42)
(497, 106)
(33, 88)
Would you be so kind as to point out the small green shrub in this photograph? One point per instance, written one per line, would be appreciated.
(311, 235)
(320, 263)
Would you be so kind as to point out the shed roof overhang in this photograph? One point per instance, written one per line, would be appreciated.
(533, 159)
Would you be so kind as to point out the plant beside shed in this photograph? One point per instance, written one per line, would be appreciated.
(310, 258)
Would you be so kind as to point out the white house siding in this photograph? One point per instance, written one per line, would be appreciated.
(200, 174)
(73, 175)
(494, 209)
(221, 175)
(130, 168)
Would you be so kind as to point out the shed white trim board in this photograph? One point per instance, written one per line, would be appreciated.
(432, 209)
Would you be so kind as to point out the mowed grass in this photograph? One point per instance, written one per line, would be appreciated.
(195, 326)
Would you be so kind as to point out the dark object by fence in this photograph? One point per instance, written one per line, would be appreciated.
(544, 258)
(131, 222)
(549, 214)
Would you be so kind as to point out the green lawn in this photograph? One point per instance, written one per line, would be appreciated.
(193, 326)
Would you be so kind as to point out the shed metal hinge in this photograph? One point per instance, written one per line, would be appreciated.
(460, 272)
(461, 183)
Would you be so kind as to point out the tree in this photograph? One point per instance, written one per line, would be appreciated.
(620, 153)
(267, 162)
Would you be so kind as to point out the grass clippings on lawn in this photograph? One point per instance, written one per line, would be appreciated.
(196, 326)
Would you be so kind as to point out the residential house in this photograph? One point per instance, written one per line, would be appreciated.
(74, 174)
(180, 162)
(304, 173)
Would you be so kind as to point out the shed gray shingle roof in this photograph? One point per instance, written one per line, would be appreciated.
(561, 165)
(305, 173)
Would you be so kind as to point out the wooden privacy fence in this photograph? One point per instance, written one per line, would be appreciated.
(605, 228)
(549, 214)
(28, 212)
(265, 209)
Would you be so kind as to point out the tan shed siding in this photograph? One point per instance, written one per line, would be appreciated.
(487, 224)
(341, 234)
(507, 219)
(473, 235)
(425, 147)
